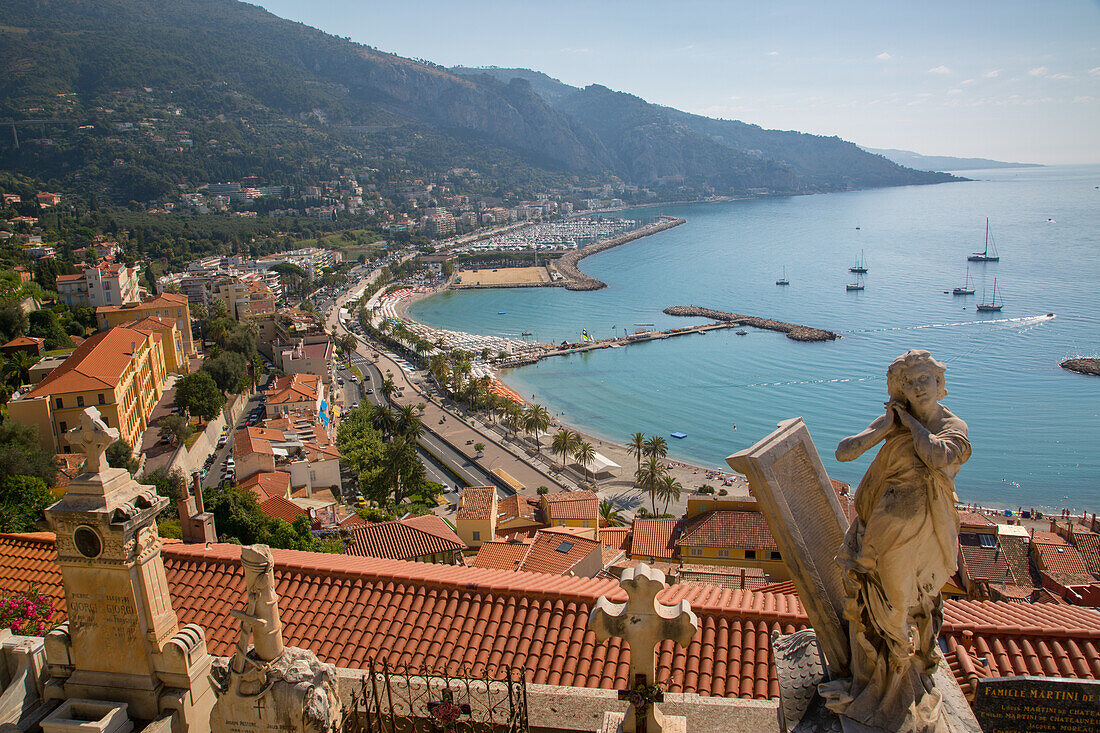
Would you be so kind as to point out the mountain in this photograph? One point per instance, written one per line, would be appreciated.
(943, 162)
(143, 97)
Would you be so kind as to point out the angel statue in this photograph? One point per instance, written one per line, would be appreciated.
(900, 550)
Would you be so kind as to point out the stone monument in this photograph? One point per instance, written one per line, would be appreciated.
(643, 622)
(122, 642)
(266, 685)
(872, 589)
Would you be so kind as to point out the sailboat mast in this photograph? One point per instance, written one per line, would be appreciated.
(986, 236)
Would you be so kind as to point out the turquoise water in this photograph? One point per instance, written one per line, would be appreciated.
(1035, 427)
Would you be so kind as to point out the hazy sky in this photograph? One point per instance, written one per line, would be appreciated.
(1007, 80)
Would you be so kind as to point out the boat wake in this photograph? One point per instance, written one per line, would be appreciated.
(1023, 321)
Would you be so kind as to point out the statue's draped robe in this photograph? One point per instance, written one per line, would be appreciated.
(897, 555)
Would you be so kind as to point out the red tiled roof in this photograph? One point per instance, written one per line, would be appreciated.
(501, 554)
(1088, 544)
(614, 537)
(519, 533)
(783, 586)
(654, 538)
(475, 503)
(404, 539)
(1061, 559)
(554, 553)
(982, 563)
(254, 440)
(723, 576)
(975, 520)
(294, 389)
(164, 300)
(727, 529)
(572, 505)
(517, 507)
(352, 520)
(267, 484)
(97, 364)
(278, 507)
(24, 341)
(349, 609)
(1016, 549)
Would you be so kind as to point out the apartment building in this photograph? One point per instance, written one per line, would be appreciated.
(120, 372)
(165, 305)
(106, 284)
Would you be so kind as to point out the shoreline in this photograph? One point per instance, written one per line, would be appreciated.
(567, 265)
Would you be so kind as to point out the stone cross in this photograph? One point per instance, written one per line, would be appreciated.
(643, 623)
(91, 437)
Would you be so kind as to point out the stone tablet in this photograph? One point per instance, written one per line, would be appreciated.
(808, 524)
(1038, 705)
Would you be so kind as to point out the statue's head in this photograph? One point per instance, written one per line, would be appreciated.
(907, 370)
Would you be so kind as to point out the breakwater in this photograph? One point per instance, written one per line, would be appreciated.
(793, 330)
(1082, 366)
(577, 280)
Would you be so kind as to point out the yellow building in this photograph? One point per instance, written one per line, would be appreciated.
(476, 518)
(175, 354)
(165, 305)
(731, 533)
(120, 372)
(573, 509)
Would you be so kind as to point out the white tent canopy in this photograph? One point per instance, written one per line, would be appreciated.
(600, 466)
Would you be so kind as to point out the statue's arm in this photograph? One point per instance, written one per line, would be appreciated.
(939, 450)
(855, 446)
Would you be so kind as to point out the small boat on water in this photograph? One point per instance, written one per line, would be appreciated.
(525, 333)
(857, 285)
(783, 278)
(742, 333)
(992, 306)
(966, 289)
(861, 264)
(986, 255)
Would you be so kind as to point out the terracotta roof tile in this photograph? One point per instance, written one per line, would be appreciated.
(164, 300)
(404, 539)
(254, 440)
(723, 576)
(555, 553)
(501, 554)
(278, 507)
(517, 507)
(267, 484)
(476, 502)
(614, 537)
(727, 529)
(24, 341)
(976, 520)
(981, 562)
(1088, 544)
(350, 609)
(293, 389)
(654, 538)
(572, 505)
(1061, 559)
(97, 364)
(1017, 556)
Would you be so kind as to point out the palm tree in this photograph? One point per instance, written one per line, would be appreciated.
(669, 489)
(407, 422)
(536, 420)
(564, 442)
(384, 420)
(17, 368)
(636, 446)
(584, 452)
(388, 388)
(648, 477)
(656, 447)
(513, 417)
(610, 514)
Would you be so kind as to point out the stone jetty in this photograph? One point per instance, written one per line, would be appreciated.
(577, 280)
(1083, 366)
(793, 331)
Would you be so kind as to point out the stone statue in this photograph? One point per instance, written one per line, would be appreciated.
(266, 685)
(900, 550)
(92, 437)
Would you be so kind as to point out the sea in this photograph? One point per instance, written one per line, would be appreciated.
(1034, 427)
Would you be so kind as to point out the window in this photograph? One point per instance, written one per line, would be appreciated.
(62, 426)
(80, 400)
(586, 523)
(101, 400)
(696, 552)
(565, 547)
(723, 553)
(57, 402)
(312, 475)
(774, 556)
(750, 554)
(477, 536)
(987, 540)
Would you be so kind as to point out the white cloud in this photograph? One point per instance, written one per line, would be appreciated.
(773, 53)
(1094, 71)
(992, 74)
(1060, 76)
(967, 81)
(884, 56)
(954, 91)
(941, 69)
(1038, 71)
(1085, 99)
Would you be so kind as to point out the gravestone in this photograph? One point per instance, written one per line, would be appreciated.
(1037, 705)
(804, 516)
(643, 623)
(122, 641)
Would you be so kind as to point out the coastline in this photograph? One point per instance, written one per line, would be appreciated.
(577, 280)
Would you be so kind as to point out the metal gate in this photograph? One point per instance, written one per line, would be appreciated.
(450, 698)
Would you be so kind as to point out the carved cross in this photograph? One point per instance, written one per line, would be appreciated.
(643, 623)
(91, 437)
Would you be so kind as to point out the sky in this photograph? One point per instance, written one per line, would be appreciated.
(1008, 80)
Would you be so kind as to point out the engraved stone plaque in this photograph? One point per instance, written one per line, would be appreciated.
(1038, 705)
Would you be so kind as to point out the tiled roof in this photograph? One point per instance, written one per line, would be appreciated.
(975, 520)
(164, 300)
(404, 539)
(983, 563)
(555, 553)
(517, 507)
(24, 341)
(519, 533)
(654, 538)
(1061, 559)
(278, 507)
(476, 502)
(152, 322)
(783, 586)
(723, 576)
(572, 505)
(501, 554)
(352, 520)
(267, 484)
(294, 389)
(614, 537)
(1016, 548)
(1088, 544)
(728, 529)
(349, 609)
(254, 440)
(97, 364)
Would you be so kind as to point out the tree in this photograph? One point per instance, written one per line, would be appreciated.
(479, 447)
(21, 453)
(177, 427)
(584, 453)
(536, 420)
(198, 395)
(668, 489)
(13, 320)
(656, 447)
(16, 370)
(228, 370)
(120, 455)
(610, 514)
(563, 443)
(45, 324)
(636, 446)
(168, 484)
(649, 476)
(22, 502)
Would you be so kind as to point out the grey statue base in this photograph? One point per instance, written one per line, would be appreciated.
(800, 668)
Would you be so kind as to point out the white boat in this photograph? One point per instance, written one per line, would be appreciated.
(966, 289)
(861, 264)
(783, 279)
(992, 306)
(985, 255)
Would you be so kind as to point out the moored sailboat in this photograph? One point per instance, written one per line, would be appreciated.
(783, 278)
(992, 306)
(861, 264)
(966, 289)
(986, 255)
